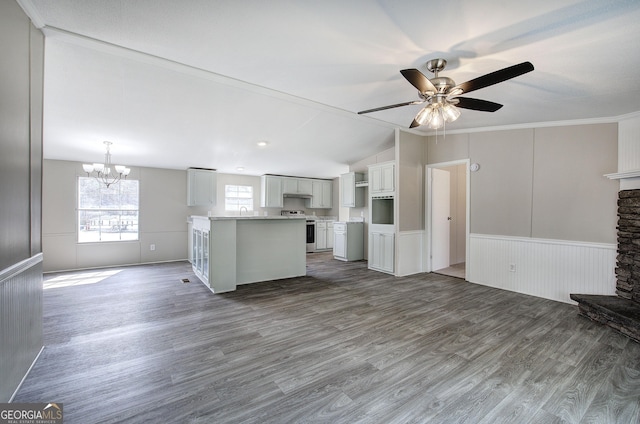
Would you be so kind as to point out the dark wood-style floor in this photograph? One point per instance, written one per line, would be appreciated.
(341, 345)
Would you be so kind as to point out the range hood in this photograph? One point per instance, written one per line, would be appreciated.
(299, 196)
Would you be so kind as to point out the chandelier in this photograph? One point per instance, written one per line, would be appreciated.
(103, 171)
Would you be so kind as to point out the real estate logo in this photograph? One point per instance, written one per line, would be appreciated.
(31, 413)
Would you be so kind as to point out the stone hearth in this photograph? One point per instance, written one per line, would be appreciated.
(621, 312)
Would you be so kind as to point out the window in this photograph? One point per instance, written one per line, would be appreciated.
(107, 214)
(238, 196)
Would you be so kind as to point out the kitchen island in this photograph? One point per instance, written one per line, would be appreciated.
(229, 251)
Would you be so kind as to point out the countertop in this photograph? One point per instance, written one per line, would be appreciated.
(246, 217)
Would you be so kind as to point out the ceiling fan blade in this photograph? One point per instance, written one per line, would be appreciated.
(414, 124)
(477, 104)
(419, 80)
(415, 102)
(495, 77)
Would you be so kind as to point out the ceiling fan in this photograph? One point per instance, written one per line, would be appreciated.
(442, 93)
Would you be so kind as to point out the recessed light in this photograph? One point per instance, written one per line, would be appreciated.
(240, 168)
(262, 143)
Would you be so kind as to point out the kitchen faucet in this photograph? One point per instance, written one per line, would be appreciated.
(245, 209)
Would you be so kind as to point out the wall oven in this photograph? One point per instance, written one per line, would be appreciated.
(311, 235)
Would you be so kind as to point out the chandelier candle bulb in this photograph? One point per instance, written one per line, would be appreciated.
(103, 170)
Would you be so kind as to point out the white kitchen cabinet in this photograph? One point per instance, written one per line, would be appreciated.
(382, 179)
(381, 251)
(321, 194)
(352, 196)
(321, 235)
(324, 235)
(230, 251)
(301, 186)
(340, 244)
(348, 241)
(200, 253)
(271, 191)
(201, 187)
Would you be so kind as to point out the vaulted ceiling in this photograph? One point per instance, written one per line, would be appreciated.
(197, 83)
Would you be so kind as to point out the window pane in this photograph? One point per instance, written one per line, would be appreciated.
(236, 197)
(107, 213)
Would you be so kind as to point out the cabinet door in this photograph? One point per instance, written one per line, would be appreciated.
(375, 252)
(197, 256)
(201, 187)
(321, 195)
(347, 188)
(381, 251)
(289, 185)
(271, 196)
(329, 235)
(305, 186)
(194, 248)
(388, 252)
(326, 194)
(205, 256)
(375, 180)
(340, 244)
(381, 178)
(321, 235)
(387, 178)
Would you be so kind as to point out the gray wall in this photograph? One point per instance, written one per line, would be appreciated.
(410, 186)
(163, 220)
(21, 81)
(163, 217)
(541, 183)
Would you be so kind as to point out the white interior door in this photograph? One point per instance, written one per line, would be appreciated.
(440, 218)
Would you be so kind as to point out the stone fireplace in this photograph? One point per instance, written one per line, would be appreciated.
(628, 260)
(621, 312)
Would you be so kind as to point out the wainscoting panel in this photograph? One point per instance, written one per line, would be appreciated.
(551, 269)
(409, 253)
(21, 318)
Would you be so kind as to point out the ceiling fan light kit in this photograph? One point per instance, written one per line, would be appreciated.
(442, 93)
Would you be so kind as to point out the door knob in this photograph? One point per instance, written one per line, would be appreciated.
(448, 218)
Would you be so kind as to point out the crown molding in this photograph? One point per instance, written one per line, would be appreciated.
(32, 13)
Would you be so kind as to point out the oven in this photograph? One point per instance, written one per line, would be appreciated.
(311, 235)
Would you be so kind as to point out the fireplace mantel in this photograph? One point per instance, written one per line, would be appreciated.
(623, 175)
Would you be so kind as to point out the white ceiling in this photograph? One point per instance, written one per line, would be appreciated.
(175, 84)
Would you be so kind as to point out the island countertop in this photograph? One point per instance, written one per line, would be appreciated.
(244, 217)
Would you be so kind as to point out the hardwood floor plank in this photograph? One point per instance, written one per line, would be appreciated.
(617, 400)
(573, 397)
(342, 344)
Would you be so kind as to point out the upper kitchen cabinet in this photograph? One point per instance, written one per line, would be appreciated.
(322, 193)
(382, 179)
(201, 187)
(352, 187)
(271, 192)
(300, 186)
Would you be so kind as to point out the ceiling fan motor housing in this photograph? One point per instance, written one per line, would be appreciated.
(442, 84)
